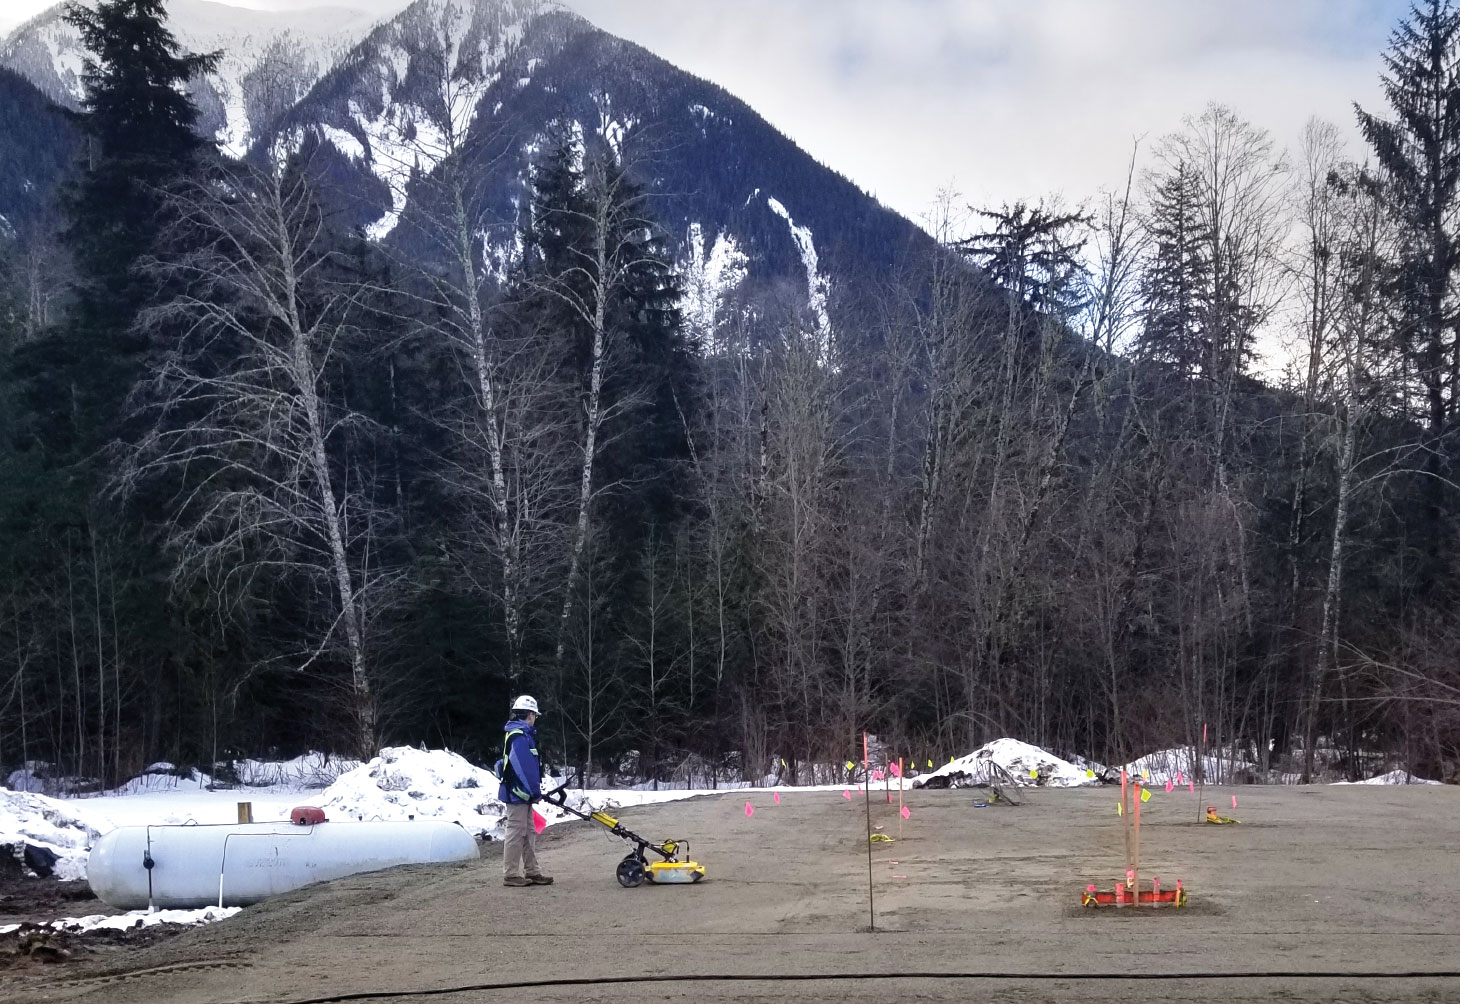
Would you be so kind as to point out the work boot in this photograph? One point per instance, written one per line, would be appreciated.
(516, 880)
(540, 879)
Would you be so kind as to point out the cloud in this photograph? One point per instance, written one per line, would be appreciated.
(1003, 98)
(998, 98)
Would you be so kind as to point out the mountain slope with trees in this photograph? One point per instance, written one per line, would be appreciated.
(515, 360)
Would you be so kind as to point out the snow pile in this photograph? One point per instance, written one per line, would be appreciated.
(44, 778)
(407, 783)
(30, 777)
(313, 770)
(44, 823)
(163, 776)
(1028, 765)
(1393, 777)
(1175, 765)
(1101, 772)
(135, 919)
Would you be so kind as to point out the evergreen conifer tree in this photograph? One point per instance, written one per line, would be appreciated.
(1176, 279)
(1419, 151)
(139, 134)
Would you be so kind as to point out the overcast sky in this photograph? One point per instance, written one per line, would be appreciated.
(998, 98)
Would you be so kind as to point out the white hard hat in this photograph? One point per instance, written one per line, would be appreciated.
(525, 703)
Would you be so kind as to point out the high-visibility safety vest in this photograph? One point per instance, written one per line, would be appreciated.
(514, 786)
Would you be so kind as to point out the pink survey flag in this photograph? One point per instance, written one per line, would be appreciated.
(1191, 787)
(846, 793)
(896, 770)
(1168, 786)
(906, 812)
(1179, 778)
(1234, 801)
(877, 775)
(538, 823)
(776, 797)
(749, 810)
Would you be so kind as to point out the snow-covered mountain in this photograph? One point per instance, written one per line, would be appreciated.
(270, 58)
(490, 80)
(380, 103)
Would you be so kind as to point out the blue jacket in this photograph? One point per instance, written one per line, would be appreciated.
(519, 764)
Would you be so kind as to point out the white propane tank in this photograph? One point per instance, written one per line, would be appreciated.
(236, 864)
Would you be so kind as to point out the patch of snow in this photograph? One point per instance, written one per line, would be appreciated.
(163, 780)
(499, 257)
(818, 286)
(709, 279)
(750, 198)
(1175, 765)
(34, 774)
(310, 770)
(1393, 777)
(27, 818)
(344, 142)
(613, 130)
(136, 919)
(1019, 759)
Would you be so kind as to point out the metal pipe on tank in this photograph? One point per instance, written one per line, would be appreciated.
(223, 860)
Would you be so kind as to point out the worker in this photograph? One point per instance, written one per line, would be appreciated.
(520, 773)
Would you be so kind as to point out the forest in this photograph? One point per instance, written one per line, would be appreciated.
(1100, 476)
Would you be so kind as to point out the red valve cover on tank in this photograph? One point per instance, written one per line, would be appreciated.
(306, 815)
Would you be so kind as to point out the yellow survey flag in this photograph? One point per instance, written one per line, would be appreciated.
(1119, 810)
(1145, 794)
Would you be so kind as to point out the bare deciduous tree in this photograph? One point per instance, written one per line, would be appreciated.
(248, 431)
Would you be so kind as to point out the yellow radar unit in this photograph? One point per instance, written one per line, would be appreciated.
(635, 869)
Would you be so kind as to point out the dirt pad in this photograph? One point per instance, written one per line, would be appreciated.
(1318, 880)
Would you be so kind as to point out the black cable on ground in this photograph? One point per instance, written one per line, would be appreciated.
(1002, 977)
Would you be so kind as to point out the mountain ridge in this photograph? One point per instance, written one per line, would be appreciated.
(490, 80)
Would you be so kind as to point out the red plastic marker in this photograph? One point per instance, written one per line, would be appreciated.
(906, 812)
(776, 797)
(749, 810)
(538, 823)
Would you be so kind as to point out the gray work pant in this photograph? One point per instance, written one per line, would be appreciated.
(520, 850)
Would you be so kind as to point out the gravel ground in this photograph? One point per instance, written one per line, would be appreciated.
(1328, 880)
